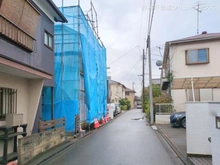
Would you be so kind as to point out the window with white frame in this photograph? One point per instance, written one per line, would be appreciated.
(48, 40)
(8, 102)
(197, 56)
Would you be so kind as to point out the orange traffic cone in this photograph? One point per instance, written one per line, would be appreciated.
(96, 123)
(108, 118)
(13, 163)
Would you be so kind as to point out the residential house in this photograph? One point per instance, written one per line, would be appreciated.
(26, 57)
(191, 72)
(117, 91)
(191, 69)
(130, 95)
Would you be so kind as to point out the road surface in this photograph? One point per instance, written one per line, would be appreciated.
(124, 141)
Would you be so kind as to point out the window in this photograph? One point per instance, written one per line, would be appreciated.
(8, 102)
(197, 56)
(127, 93)
(48, 40)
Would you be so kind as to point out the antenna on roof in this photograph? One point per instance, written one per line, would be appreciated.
(197, 8)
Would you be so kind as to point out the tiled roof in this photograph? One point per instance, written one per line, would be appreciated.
(129, 90)
(200, 37)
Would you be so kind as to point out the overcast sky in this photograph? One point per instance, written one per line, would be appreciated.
(123, 28)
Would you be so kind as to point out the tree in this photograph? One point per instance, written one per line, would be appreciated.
(158, 97)
(156, 92)
(125, 104)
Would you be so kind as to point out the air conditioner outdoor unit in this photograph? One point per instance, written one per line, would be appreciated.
(14, 119)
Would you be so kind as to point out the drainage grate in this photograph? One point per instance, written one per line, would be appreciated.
(140, 118)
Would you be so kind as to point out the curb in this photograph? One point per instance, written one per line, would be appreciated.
(183, 158)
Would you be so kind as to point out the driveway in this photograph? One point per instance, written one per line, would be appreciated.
(176, 135)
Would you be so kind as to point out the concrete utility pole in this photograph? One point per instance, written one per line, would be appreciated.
(197, 8)
(150, 82)
(143, 82)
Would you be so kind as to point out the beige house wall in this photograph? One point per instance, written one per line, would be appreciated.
(130, 97)
(117, 92)
(181, 70)
(28, 95)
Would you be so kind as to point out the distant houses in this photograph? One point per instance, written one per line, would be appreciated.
(117, 91)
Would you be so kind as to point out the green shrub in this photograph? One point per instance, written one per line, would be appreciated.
(125, 104)
(123, 107)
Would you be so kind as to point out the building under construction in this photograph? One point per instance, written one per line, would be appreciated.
(80, 80)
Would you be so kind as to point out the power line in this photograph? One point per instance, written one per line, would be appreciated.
(132, 67)
(141, 23)
(149, 17)
(124, 54)
(152, 16)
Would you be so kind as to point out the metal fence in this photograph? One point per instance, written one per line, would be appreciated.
(164, 108)
(8, 101)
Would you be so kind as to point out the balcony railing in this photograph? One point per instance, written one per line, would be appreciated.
(16, 34)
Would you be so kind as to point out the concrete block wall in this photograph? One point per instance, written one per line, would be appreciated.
(31, 146)
(162, 119)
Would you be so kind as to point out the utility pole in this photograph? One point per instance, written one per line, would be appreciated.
(197, 8)
(150, 82)
(143, 82)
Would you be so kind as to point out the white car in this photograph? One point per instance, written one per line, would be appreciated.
(139, 106)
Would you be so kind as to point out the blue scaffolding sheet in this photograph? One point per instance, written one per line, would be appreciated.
(76, 52)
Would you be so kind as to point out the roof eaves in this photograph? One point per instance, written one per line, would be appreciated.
(63, 18)
(187, 40)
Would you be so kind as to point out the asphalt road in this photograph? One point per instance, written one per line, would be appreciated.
(124, 141)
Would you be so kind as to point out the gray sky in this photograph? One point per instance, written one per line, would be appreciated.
(123, 28)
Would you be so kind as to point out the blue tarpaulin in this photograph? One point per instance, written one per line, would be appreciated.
(75, 53)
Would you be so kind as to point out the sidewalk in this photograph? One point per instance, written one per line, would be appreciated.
(176, 138)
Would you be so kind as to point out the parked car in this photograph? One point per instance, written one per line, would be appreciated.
(178, 119)
(118, 108)
(139, 106)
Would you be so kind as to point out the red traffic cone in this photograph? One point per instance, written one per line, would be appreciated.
(108, 118)
(96, 123)
(13, 163)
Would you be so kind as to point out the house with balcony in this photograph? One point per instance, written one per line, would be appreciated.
(190, 73)
(190, 69)
(26, 57)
